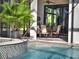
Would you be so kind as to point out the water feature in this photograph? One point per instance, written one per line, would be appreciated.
(11, 48)
(5, 40)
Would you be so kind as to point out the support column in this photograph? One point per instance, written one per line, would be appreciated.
(70, 20)
(33, 33)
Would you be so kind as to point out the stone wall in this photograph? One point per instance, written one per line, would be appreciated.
(8, 51)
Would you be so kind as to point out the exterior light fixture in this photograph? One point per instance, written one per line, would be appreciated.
(48, 2)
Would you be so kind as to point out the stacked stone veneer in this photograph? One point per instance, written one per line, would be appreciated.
(10, 50)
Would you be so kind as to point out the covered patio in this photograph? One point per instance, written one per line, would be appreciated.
(40, 13)
(48, 10)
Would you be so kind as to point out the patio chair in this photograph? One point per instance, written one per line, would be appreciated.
(44, 30)
(57, 32)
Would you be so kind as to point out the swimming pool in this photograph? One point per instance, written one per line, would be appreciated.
(49, 52)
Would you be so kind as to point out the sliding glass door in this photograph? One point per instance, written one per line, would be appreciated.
(56, 15)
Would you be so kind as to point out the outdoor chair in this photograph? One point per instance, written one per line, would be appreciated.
(57, 32)
(44, 30)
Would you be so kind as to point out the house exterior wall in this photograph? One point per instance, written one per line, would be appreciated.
(41, 4)
(76, 23)
(41, 10)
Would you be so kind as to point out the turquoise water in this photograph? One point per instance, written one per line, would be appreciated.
(52, 52)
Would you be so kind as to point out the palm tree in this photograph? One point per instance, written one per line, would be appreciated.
(17, 15)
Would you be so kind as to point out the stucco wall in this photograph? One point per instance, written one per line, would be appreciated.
(76, 22)
(41, 4)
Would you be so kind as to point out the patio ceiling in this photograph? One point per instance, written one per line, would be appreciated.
(56, 1)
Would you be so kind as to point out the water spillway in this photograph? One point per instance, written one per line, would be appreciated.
(12, 48)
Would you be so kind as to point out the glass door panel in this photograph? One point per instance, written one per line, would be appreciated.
(55, 15)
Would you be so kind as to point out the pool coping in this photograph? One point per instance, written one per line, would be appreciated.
(18, 41)
(12, 42)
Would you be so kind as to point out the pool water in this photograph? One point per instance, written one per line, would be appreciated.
(52, 52)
